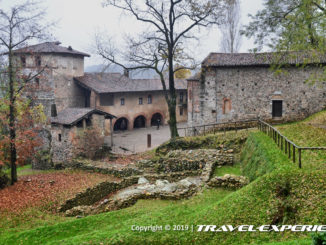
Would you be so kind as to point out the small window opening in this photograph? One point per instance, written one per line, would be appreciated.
(149, 99)
(23, 61)
(181, 98)
(38, 61)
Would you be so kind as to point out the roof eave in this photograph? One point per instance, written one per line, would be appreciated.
(261, 65)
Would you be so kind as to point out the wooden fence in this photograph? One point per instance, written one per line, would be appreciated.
(290, 148)
(214, 127)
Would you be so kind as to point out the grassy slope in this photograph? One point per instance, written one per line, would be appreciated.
(260, 156)
(307, 134)
(257, 204)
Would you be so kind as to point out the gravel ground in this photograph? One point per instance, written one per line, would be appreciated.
(134, 141)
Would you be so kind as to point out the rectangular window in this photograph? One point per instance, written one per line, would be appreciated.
(181, 98)
(38, 61)
(23, 61)
(149, 99)
(140, 101)
(106, 100)
(37, 81)
(122, 101)
(181, 111)
(59, 137)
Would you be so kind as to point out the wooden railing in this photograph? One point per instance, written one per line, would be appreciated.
(212, 128)
(284, 143)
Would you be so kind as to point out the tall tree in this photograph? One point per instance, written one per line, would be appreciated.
(290, 25)
(23, 22)
(231, 38)
(170, 25)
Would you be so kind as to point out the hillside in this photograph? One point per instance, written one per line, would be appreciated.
(279, 193)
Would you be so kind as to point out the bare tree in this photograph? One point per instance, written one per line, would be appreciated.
(21, 23)
(170, 26)
(230, 28)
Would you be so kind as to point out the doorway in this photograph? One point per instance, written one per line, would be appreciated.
(157, 117)
(121, 124)
(277, 108)
(140, 122)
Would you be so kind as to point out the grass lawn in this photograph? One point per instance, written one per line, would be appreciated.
(279, 193)
(234, 169)
(255, 204)
(308, 133)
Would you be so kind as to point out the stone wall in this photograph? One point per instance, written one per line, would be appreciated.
(62, 151)
(92, 195)
(193, 102)
(237, 93)
(176, 166)
(68, 141)
(228, 181)
(56, 83)
(43, 157)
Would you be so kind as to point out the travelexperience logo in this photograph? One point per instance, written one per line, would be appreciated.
(262, 228)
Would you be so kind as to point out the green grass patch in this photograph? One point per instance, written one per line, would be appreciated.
(308, 133)
(234, 169)
(260, 155)
(257, 204)
(231, 139)
(279, 193)
(28, 219)
(27, 170)
(295, 242)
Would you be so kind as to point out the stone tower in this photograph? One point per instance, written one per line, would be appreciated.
(57, 66)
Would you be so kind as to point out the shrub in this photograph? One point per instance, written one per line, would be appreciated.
(319, 238)
(4, 180)
(88, 143)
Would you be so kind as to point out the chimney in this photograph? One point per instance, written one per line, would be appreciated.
(54, 110)
(70, 48)
(126, 72)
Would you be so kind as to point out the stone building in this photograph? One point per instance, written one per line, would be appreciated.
(243, 86)
(57, 65)
(69, 125)
(136, 103)
(80, 98)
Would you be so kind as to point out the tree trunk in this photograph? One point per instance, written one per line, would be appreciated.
(173, 118)
(173, 97)
(12, 129)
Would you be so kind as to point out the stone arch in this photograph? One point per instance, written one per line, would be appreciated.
(140, 121)
(121, 124)
(227, 106)
(155, 117)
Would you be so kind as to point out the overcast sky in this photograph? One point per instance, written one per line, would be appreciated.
(78, 21)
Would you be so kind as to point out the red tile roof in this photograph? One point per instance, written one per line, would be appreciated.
(115, 83)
